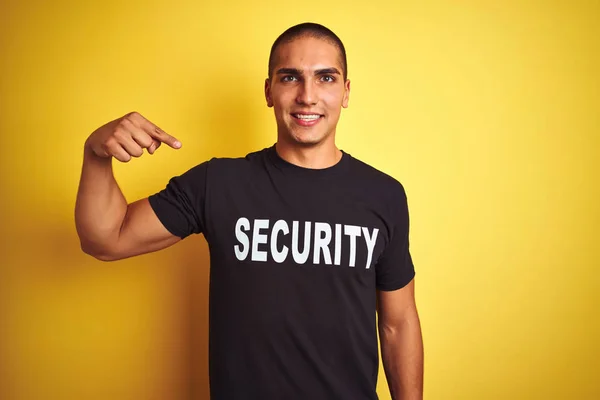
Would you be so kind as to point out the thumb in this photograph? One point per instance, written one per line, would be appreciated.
(154, 146)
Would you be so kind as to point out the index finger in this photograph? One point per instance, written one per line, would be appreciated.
(164, 137)
(158, 134)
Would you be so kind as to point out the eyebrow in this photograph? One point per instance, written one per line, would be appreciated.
(296, 71)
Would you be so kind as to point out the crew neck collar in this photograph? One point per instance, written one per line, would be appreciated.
(288, 167)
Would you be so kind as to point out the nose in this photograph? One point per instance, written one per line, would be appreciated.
(307, 93)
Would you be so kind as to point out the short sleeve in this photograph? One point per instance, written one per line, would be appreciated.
(180, 205)
(395, 268)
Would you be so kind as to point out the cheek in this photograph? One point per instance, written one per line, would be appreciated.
(333, 100)
(280, 112)
(282, 100)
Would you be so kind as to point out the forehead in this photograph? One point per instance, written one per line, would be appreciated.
(308, 53)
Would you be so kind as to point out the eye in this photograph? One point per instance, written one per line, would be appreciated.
(288, 78)
(328, 78)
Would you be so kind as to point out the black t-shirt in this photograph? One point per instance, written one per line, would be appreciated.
(296, 257)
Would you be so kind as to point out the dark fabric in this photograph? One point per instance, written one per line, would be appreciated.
(296, 257)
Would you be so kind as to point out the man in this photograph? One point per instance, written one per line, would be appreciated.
(306, 242)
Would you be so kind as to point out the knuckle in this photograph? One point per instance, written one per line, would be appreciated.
(125, 123)
(121, 134)
(117, 135)
(160, 131)
(110, 143)
(145, 141)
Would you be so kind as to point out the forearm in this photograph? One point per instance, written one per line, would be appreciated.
(402, 356)
(100, 206)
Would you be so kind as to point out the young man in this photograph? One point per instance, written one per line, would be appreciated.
(306, 242)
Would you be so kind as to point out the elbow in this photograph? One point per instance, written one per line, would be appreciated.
(391, 327)
(98, 252)
(387, 330)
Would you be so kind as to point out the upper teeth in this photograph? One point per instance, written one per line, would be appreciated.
(305, 116)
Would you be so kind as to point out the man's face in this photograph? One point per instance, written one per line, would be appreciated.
(307, 91)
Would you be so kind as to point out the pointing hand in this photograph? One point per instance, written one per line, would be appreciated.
(127, 137)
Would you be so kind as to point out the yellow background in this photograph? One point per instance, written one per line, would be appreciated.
(488, 112)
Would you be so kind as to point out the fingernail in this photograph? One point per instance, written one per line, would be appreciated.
(177, 144)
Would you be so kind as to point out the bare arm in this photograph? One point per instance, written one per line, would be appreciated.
(401, 342)
(108, 227)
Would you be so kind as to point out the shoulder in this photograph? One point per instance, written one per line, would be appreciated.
(236, 166)
(220, 167)
(375, 180)
(381, 190)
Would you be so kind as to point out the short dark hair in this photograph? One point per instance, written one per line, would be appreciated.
(309, 29)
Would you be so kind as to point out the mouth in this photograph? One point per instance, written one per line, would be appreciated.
(304, 119)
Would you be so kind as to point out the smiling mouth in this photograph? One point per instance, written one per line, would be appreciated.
(306, 120)
(307, 117)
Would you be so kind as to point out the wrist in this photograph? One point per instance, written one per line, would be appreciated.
(90, 154)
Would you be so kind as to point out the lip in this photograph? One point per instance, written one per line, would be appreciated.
(303, 122)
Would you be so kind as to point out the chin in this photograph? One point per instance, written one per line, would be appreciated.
(307, 137)
(307, 140)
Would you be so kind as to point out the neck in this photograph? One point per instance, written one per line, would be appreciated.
(318, 156)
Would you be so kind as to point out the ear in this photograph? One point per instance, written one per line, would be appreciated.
(346, 94)
(268, 93)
